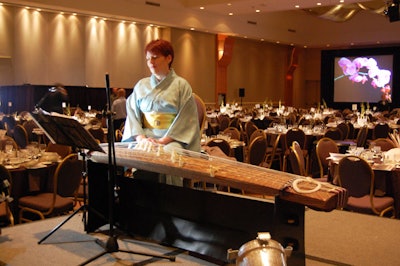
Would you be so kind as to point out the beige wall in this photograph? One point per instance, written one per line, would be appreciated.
(42, 48)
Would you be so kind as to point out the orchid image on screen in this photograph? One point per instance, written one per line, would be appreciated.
(361, 69)
(364, 70)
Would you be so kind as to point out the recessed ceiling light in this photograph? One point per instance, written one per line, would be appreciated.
(230, 14)
(318, 4)
(258, 10)
(297, 6)
(202, 7)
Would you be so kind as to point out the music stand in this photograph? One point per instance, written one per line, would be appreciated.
(64, 130)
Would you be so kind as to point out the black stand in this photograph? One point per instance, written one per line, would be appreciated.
(111, 245)
(66, 131)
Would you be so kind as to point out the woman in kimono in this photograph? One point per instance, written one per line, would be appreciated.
(161, 108)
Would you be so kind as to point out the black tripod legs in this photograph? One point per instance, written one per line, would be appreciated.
(83, 207)
(111, 246)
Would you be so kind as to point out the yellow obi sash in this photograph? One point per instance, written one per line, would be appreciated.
(156, 120)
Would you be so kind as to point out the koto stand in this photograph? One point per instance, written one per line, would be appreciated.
(111, 245)
(67, 131)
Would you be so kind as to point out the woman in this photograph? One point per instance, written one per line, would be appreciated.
(161, 108)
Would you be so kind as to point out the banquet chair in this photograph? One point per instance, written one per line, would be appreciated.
(249, 128)
(273, 152)
(357, 177)
(58, 201)
(298, 135)
(9, 124)
(29, 126)
(7, 139)
(234, 122)
(324, 147)
(201, 111)
(385, 143)
(97, 133)
(6, 216)
(118, 135)
(350, 134)
(21, 136)
(362, 136)
(222, 144)
(381, 130)
(223, 122)
(334, 133)
(256, 133)
(257, 151)
(233, 131)
(296, 159)
(62, 150)
(344, 128)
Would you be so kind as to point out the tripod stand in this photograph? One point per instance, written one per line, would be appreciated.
(83, 208)
(66, 131)
(111, 245)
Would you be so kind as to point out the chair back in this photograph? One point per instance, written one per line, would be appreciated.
(356, 176)
(344, 128)
(274, 154)
(21, 136)
(62, 150)
(97, 133)
(234, 122)
(295, 134)
(9, 124)
(233, 131)
(256, 133)
(6, 140)
(249, 128)
(296, 159)
(29, 126)
(323, 148)
(5, 179)
(68, 176)
(222, 144)
(334, 133)
(223, 122)
(362, 136)
(381, 130)
(201, 111)
(385, 143)
(257, 151)
(350, 135)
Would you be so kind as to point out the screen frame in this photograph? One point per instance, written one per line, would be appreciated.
(328, 72)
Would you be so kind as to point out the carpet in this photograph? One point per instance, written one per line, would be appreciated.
(331, 238)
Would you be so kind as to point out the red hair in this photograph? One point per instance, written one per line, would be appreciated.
(162, 47)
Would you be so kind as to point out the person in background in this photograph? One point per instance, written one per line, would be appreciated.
(118, 108)
(54, 99)
(161, 108)
(114, 95)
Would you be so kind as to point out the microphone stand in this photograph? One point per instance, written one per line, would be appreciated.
(111, 245)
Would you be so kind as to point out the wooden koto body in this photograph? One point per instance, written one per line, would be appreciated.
(225, 172)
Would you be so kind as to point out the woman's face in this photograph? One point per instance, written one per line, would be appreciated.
(158, 64)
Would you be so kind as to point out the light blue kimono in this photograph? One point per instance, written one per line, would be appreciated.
(173, 95)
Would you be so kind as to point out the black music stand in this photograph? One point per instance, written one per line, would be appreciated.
(64, 130)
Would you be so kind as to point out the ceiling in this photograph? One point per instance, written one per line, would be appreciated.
(330, 23)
